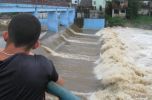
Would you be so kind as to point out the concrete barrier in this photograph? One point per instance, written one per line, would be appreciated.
(94, 23)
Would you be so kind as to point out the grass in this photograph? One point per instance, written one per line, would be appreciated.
(142, 20)
(116, 21)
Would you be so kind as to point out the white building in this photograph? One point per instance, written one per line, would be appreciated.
(99, 4)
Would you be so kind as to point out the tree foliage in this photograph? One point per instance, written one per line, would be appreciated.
(133, 7)
(108, 9)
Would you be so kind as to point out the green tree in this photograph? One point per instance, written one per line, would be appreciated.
(108, 10)
(133, 7)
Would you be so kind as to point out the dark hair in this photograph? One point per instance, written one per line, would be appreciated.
(24, 30)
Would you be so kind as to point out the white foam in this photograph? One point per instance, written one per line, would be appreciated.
(122, 53)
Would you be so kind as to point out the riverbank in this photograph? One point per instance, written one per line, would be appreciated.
(143, 22)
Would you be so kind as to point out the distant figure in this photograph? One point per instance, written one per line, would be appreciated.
(24, 76)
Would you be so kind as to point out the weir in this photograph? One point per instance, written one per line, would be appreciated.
(74, 61)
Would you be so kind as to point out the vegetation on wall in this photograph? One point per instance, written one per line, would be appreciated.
(116, 21)
(139, 22)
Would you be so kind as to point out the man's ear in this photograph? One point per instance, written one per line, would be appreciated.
(36, 45)
(5, 36)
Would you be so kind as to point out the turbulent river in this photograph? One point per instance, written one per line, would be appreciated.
(113, 64)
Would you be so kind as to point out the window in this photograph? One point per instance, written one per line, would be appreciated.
(94, 2)
(94, 7)
(100, 8)
(122, 11)
(116, 11)
(76, 1)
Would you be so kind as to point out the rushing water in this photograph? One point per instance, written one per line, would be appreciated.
(74, 61)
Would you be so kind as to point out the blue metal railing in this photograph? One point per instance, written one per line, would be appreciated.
(38, 2)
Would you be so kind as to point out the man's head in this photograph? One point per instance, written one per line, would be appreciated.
(23, 31)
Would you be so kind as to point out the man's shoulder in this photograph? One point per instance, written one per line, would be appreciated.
(44, 61)
(38, 61)
(32, 58)
(42, 58)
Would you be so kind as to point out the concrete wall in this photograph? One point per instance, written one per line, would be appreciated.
(94, 23)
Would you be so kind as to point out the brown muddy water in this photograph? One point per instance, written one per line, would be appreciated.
(77, 73)
(79, 48)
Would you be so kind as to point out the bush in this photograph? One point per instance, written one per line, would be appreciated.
(116, 21)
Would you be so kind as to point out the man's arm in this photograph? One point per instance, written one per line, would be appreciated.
(60, 81)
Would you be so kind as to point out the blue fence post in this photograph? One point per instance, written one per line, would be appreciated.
(71, 16)
(53, 21)
(64, 20)
(35, 12)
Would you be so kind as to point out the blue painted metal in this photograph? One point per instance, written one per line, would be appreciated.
(29, 5)
(12, 9)
(35, 13)
(53, 21)
(44, 22)
(94, 23)
(64, 20)
(71, 16)
(30, 8)
(66, 17)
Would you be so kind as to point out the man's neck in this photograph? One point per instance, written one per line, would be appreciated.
(11, 49)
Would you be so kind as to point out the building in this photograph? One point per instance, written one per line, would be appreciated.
(119, 8)
(99, 4)
(146, 7)
(86, 3)
(151, 7)
(88, 10)
(84, 8)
